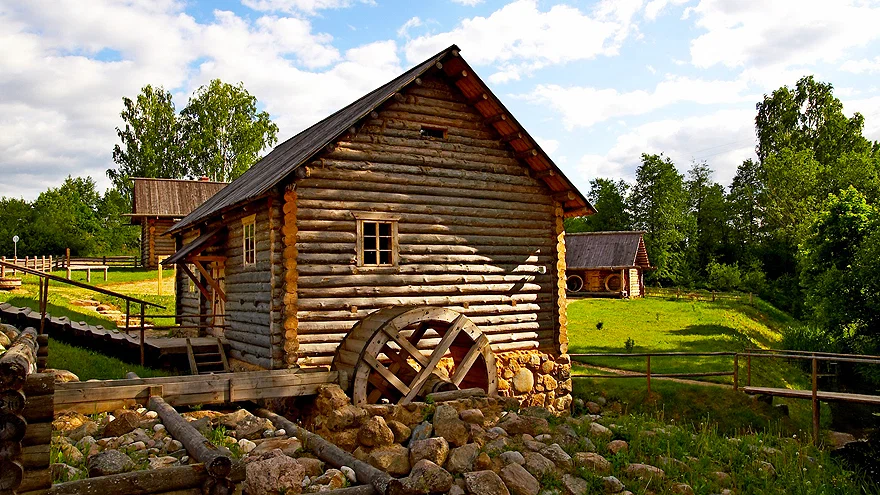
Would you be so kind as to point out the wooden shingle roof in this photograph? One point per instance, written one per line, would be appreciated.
(289, 155)
(591, 250)
(170, 198)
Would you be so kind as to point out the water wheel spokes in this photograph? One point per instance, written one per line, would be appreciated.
(411, 352)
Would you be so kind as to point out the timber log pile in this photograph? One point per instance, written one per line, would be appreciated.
(26, 409)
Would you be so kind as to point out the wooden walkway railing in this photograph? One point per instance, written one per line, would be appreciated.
(39, 263)
(648, 374)
(44, 279)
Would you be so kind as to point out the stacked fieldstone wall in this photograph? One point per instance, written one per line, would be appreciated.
(535, 379)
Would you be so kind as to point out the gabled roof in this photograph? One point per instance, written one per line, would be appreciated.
(286, 157)
(605, 250)
(170, 197)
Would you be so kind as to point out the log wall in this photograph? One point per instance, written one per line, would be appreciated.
(254, 292)
(154, 243)
(477, 234)
(188, 298)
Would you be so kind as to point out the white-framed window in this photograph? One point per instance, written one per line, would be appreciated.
(377, 244)
(249, 239)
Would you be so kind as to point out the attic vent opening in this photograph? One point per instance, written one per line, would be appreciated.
(433, 132)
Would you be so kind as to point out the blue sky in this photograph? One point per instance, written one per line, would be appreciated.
(597, 83)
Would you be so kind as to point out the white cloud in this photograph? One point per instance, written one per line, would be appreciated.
(723, 139)
(413, 22)
(297, 6)
(780, 33)
(587, 106)
(469, 3)
(861, 66)
(870, 109)
(548, 145)
(519, 38)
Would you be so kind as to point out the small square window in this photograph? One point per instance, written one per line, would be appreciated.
(377, 240)
(433, 132)
(249, 239)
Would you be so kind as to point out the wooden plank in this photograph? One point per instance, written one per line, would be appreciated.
(436, 356)
(468, 361)
(386, 373)
(808, 394)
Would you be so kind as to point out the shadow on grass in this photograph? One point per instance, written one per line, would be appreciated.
(59, 311)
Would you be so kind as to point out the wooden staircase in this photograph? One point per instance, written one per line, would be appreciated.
(207, 362)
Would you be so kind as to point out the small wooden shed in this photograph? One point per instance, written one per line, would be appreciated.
(606, 264)
(412, 240)
(157, 204)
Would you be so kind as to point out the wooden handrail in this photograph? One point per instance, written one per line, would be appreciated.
(810, 353)
(81, 285)
(839, 358)
(645, 354)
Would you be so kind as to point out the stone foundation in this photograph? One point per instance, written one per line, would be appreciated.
(535, 378)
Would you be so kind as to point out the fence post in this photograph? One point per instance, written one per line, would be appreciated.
(14, 263)
(159, 288)
(44, 302)
(713, 296)
(748, 371)
(68, 263)
(736, 372)
(815, 402)
(142, 334)
(751, 300)
(648, 373)
(127, 315)
(50, 263)
(3, 269)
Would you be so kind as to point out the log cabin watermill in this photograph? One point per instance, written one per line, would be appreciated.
(413, 240)
(400, 354)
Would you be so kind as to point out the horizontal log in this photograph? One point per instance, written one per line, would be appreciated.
(39, 408)
(445, 301)
(137, 482)
(536, 249)
(419, 216)
(39, 384)
(448, 151)
(433, 120)
(378, 126)
(414, 290)
(402, 159)
(35, 456)
(256, 339)
(426, 174)
(526, 230)
(19, 360)
(11, 474)
(35, 480)
(476, 240)
(216, 462)
(37, 434)
(366, 279)
(250, 358)
(410, 137)
(476, 312)
(312, 189)
(253, 350)
(427, 208)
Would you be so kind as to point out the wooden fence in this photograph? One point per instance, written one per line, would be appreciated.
(700, 295)
(63, 262)
(36, 263)
(648, 374)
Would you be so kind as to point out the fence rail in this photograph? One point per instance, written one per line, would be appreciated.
(63, 262)
(37, 263)
(700, 295)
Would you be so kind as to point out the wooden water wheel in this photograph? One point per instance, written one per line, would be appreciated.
(401, 354)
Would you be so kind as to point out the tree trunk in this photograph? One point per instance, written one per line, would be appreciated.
(216, 462)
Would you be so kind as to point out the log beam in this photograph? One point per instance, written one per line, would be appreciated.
(216, 462)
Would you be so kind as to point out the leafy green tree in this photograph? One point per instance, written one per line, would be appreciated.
(67, 218)
(745, 211)
(116, 234)
(224, 132)
(16, 218)
(658, 203)
(708, 217)
(609, 198)
(151, 141)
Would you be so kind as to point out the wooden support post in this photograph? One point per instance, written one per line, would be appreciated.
(142, 334)
(127, 314)
(159, 288)
(735, 372)
(815, 402)
(44, 302)
(648, 373)
(3, 269)
(67, 263)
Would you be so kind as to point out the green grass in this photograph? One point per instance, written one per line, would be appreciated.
(88, 364)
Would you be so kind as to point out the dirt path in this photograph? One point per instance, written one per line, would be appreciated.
(677, 380)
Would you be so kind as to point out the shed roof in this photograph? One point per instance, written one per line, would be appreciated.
(606, 250)
(171, 198)
(286, 157)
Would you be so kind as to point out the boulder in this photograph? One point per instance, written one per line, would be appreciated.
(537, 464)
(616, 446)
(612, 484)
(574, 485)
(343, 418)
(230, 421)
(87, 429)
(252, 427)
(426, 477)
(461, 459)
(70, 454)
(598, 430)
(394, 459)
(523, 381)
(673, 463)
(274, 473)
(125, 422)
(449, 426)
(162, 462)
(512, 457)
(246, 445)
(485, 483)
(592, 461)
(375, 433)
(644, 471)
(555, 453)
(496, 445)
(515, 424)
(64, 472)
(483, 462)
(349, 474)
(472, 416)
(682, 489)
(422, 431)
(63, 376)
(331, 398)
(519, 481)
(594, 408)
(434, 449)
(110, 461)
(334, 479)
(401, 431)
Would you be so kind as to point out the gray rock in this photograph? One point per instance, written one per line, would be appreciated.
(252, 427)
(449, 426)
(495, 432)
(473, 416)
(109, 462)
(124, 423)
(534, 445)
(612, 484)
(519, 481)
(555, 453)
(162, 462)
(616, 446)
(523, 381)
(644, 471)
(496, 445)
(537, 464)
(400, 430)
(333, 479)
(682, 489)
(64, 472)
(574, 485)
(422, 431)
(515, 424)
(461, 459)
(512, 457)
(456, 490)
(394, 459)
(485, 483)
(599, 431)
(349, 474)
(311, 467)
(230, 421)
(434, 449)
(87, 429)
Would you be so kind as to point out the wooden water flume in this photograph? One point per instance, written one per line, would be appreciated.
(400, 354)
